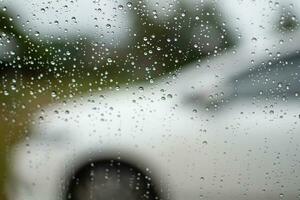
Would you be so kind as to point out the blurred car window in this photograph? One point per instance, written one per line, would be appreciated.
(276, 78)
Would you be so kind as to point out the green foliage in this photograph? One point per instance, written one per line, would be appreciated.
(157, 46)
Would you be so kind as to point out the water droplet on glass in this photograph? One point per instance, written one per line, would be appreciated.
(53, 94)
(129, 4)
(254, 39)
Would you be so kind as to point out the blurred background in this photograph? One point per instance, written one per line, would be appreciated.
(56, 50)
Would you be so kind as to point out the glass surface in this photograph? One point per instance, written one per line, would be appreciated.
(143, 99)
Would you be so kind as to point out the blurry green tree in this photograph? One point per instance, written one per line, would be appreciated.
(157, 46)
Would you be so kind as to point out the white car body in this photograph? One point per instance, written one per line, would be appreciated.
(245, 149)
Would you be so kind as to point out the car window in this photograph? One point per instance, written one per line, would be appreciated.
(273, 78)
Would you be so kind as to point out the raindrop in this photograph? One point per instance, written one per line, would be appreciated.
(109, 60)
(53, 94)
(141, 89)
(254, 39)
(129, 4)
(6, 93)
(13, 87)
(41, 118)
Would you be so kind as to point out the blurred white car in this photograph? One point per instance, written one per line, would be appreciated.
(225, 128)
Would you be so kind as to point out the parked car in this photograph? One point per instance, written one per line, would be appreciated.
(225, 128)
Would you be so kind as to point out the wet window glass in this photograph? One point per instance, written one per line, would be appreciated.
(149, 99)
(276, 78)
